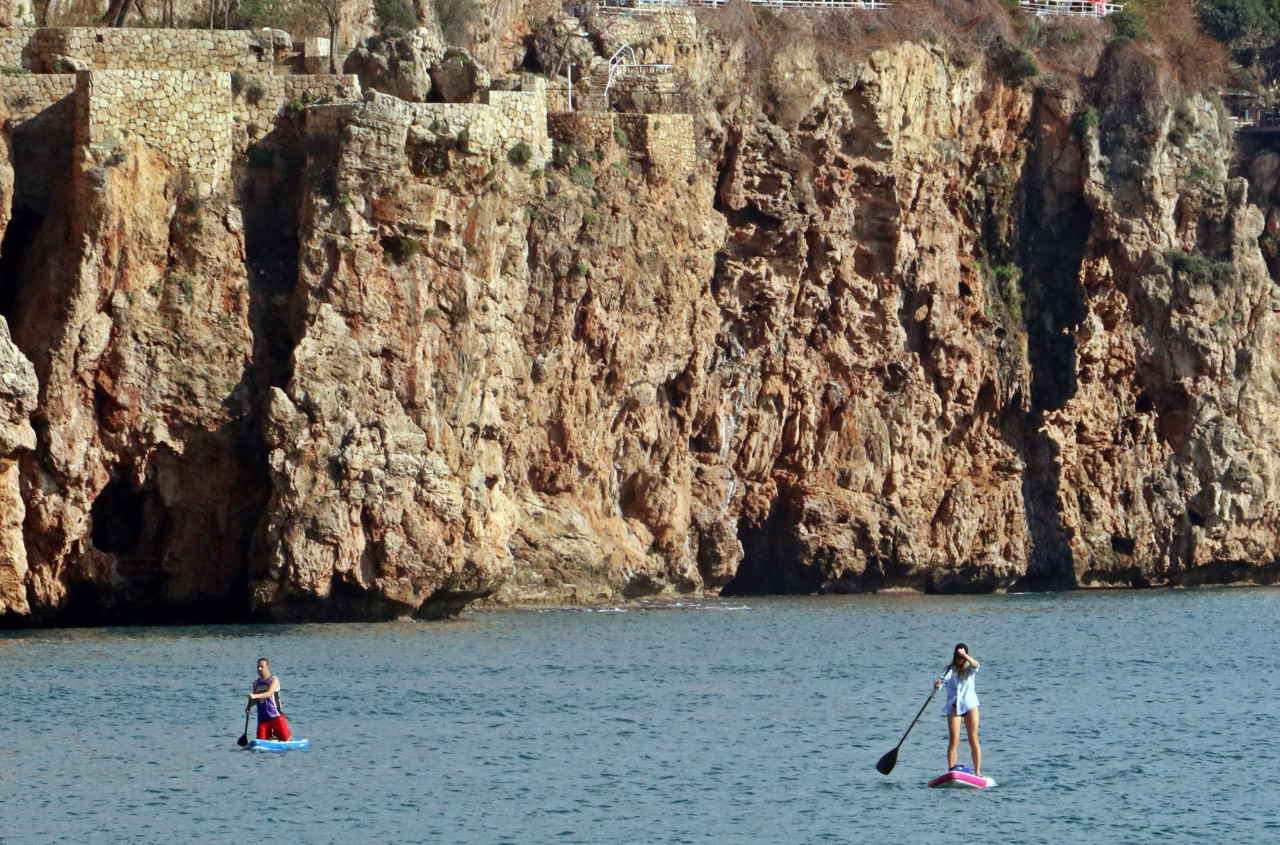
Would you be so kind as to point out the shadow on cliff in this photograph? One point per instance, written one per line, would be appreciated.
(270, 197)
(1050, 245)
(774, 561)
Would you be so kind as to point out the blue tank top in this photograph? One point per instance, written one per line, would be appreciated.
(267, 709)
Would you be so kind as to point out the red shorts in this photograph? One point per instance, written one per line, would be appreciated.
(276, 728)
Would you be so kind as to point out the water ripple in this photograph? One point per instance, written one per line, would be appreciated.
(701, 721)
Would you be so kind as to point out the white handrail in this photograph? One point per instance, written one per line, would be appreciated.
(614, 61)
(1077, 8)
(653, 6)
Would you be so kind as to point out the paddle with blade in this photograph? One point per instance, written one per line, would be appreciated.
(244, 737)
(888, 761)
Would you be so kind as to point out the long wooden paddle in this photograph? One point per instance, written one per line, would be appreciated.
(888, 761)
(244, 737)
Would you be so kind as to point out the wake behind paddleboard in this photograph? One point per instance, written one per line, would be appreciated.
(959, 778)
(277, 744)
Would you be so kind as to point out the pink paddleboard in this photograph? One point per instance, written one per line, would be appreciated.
(962, 780)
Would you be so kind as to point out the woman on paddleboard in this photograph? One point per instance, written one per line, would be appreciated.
(962, 703)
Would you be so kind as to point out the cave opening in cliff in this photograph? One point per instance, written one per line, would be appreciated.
(774, 561)
(18, 238)
(117, 516)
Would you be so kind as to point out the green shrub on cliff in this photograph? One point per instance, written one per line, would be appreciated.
(520, 154)
(580, 174)
(395, 17)
(1241, 24)
(1129, 24)
(1007, 280)
(1197, 269)
(1014, 63)
(1182, 126)
(1084, 120)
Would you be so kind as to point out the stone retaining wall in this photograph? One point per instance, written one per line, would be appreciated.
(67, 49)
(105, 48)
(28, 95)
(656, 36)
(16, 46)
(378, 129)
(262, 96)
(183, 114)
(42, 115)
(593, 130)
(666, 141)
(557, 95)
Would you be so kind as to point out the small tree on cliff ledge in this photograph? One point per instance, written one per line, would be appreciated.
(295, 16)
(331, 9)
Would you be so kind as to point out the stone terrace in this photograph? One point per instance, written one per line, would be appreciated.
(184, 114)
(202, 97)
(68, 49)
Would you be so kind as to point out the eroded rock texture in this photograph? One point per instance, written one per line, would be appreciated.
(910, 326)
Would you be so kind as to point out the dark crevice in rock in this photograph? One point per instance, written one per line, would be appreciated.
(18, 238)
(117, 518)
(1051, 247)
(1050, 565)
(443, 604)
(346, 602)
(774, 560)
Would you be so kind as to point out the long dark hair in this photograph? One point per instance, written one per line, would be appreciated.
(958, 667)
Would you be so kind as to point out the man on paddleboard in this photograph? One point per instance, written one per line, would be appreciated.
(266, 692)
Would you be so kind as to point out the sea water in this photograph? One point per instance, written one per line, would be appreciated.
(1106, 717)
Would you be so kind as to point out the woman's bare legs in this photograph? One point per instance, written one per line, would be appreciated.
(953, 729)
(971, 728)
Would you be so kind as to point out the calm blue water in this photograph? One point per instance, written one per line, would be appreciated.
(1114, 717)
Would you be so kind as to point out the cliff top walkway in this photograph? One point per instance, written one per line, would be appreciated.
(1076, 8)
(1251, 112)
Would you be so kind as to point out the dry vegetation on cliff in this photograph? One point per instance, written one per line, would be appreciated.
(949, 298)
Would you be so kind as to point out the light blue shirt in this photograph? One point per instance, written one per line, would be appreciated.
(961, 694)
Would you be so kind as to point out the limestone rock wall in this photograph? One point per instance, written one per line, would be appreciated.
(68, 49)
(884, 322)
(184, 115)
(261, 97)
(1168, 445)
(41, 131)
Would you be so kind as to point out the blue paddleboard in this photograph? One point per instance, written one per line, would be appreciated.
(277, 744)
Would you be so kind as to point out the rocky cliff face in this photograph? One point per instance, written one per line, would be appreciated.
(904, 325)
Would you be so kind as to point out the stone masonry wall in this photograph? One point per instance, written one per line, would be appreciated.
(593, 130)
(378, 129)
(16, 46)
(42, 131)
(108, 48)
(104, 48)
(184, 115)
(660, 31)
(666, 140)
(29, 95)
(262, 95)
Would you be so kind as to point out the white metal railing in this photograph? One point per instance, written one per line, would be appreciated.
(624, 61)
(651, 6)
(1078, 8)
